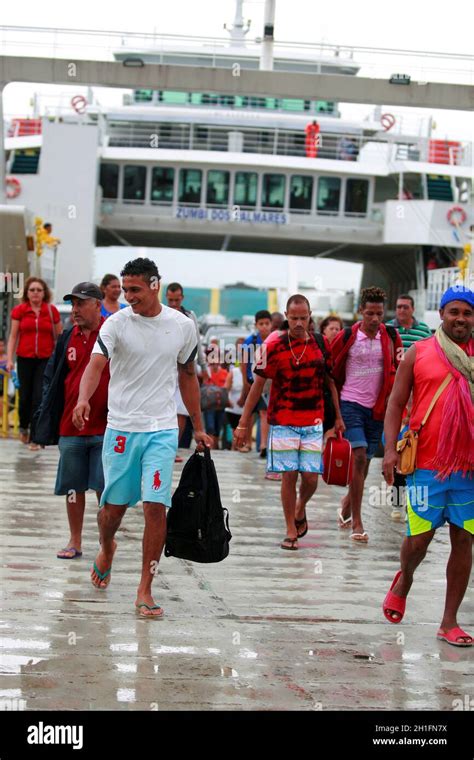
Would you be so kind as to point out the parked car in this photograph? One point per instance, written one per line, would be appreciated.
(65, 314)
(211, 320)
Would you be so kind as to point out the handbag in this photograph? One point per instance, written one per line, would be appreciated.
(407, 446)
(337, 461)
(213, 398)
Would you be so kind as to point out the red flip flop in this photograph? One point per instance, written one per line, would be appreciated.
(394, 603)
(452, 636)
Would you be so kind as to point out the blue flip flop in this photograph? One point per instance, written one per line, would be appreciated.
(76, 554)
(149, 607)
(102, 576)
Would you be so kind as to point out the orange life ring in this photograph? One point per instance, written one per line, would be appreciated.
(15, 187)
(460, 213)
(79, 103)
(387, 121)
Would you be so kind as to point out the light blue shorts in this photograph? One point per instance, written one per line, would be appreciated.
(295, 449)
(138, 466)
(432, 502)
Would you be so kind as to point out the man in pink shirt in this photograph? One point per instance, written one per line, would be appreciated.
(365, 359)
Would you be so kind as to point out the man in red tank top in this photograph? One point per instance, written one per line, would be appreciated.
(441, 488)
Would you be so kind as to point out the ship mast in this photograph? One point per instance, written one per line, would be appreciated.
(238, 31)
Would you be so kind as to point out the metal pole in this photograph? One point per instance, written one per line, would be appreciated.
(266, 58)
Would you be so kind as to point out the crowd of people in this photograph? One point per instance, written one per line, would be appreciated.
(120, 386)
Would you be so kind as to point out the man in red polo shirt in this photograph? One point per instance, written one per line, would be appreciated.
(80, 463)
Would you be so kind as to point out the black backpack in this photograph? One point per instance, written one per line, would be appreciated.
(197, 524)
(329, 410)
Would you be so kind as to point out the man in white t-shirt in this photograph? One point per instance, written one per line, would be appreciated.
(149, 346)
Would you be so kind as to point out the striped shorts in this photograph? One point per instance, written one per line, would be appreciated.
(295, 449)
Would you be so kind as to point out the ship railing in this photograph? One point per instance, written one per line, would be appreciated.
(439, 280)
(345, 146)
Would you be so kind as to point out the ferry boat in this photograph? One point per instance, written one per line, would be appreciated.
(217, 171)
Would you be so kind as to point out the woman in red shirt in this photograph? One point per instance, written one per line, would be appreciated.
(35, 326)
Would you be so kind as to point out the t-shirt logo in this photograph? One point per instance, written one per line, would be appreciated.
(156, 481)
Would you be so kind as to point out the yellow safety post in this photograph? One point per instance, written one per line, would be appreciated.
(272, 300)
(215, 301)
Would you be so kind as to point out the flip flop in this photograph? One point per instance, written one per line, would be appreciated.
(102, 576)
(76, 554)
(452, 636)
(149, 607)
(292, 547)
(298, 524)
(394, 603)
(343, 522)
(362, 538)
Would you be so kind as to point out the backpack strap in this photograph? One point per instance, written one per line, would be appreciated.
(347, 334)
(322, 346)
(392, 331)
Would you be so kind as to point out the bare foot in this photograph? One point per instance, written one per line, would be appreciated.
(147, 607)
(103, 564)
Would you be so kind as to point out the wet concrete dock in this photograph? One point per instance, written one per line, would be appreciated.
(265, 629)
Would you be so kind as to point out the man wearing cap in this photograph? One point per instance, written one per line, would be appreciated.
(441, 488)
(80, 460)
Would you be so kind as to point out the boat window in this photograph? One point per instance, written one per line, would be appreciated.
(134, 178)
(143, 96)
(273, 191)
(217, 193)
(463, 190)
(301, 190)
(324, 106)
(174, 98)
(413, 186)
(162, 182)
(295, 104)
(329, 193)
(109, 174)
(245, 189)
(386, 188)
(357, 192)
(190, 183)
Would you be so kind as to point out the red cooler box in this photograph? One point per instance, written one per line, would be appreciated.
(337, 461)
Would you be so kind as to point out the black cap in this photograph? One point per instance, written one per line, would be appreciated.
(84, 290)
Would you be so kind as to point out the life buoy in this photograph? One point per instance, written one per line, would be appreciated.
(13, 187)
(387, 121)
(79, 103)
(456, 215)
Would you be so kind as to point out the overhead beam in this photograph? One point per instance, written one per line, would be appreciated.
(342, 88)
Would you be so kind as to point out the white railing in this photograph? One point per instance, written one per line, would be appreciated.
(439, 280)
(271, 141)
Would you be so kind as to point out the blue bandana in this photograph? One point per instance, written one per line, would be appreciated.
(457, 293)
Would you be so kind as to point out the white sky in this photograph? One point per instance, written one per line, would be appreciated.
(407, 24)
